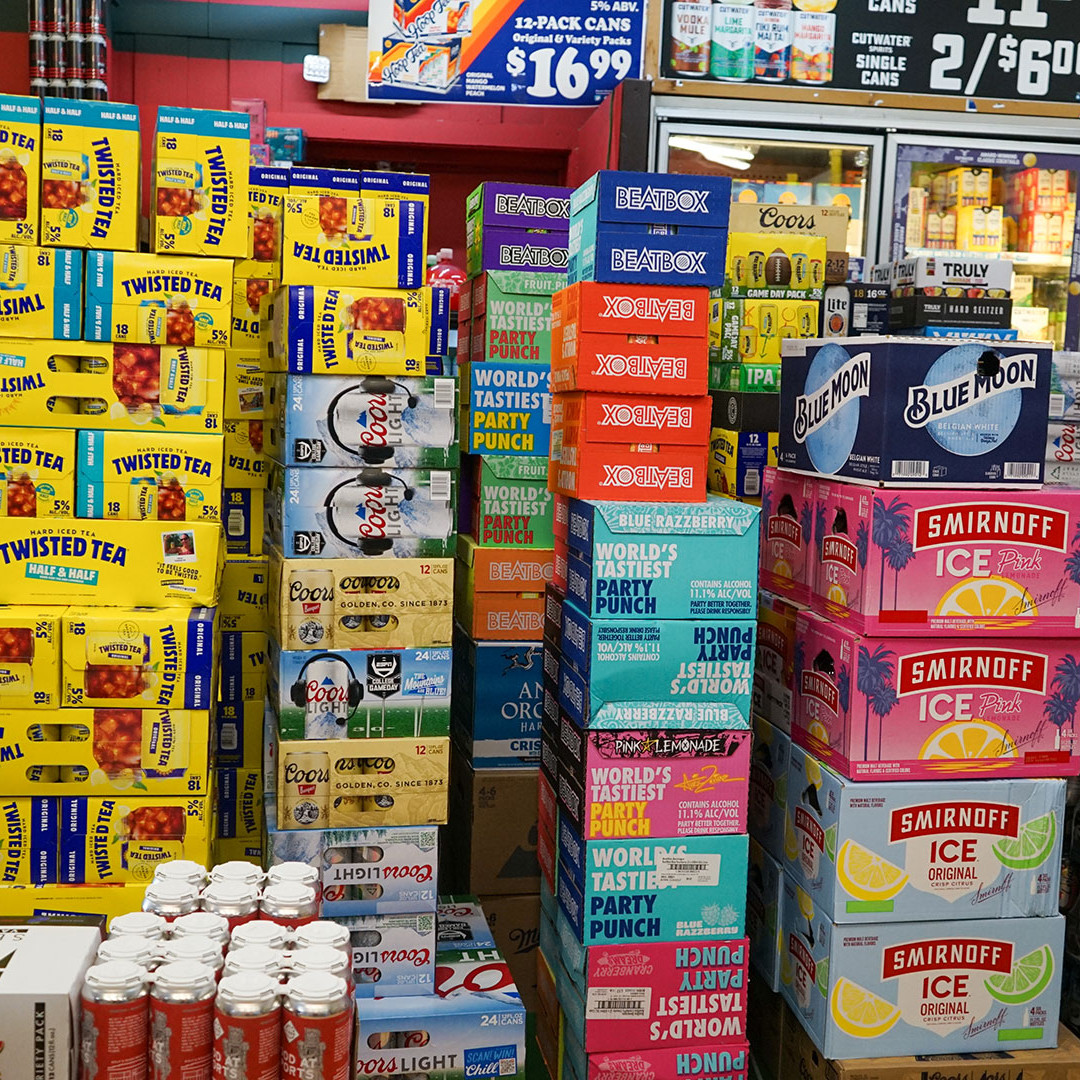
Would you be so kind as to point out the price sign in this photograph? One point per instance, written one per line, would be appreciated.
(537, 52)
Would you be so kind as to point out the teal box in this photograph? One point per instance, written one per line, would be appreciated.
(670, 561)
(616, 892)
(509, 409)
(28, 296)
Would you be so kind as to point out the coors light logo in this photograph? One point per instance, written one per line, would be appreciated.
(1011, 669)
(929, 403)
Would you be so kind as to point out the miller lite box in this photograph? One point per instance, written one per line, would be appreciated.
(913, 412)
(630, 339)
(922, 708)
(985, 849)
(922, 987)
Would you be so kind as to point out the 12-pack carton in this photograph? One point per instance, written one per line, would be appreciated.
(20, 169)
(393, 955)
(508, 504)
(911, 412)
(499, 594)
(737, 461)
(356, 330)
(613, 471)
(628, 559)
(589, 421)
(200, 196)
(768, 798)
(950, 702)
(363, 420)
(362, 512)
(90, 175)
(775, 266)
(138, 657)
(753, 331)
(128, 474)
(112, 386)
(360, 694)
(987, 850)
(940, 275)
(37, 472)
(137, 563)
(629, 891)
(510, 312)
(923, 988)
(508, 409)
(40, 292)
(632, 339)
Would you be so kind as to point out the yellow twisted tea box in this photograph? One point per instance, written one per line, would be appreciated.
(158, 299)
(144, 474)
(245, 397)
(75, 839)
(137, 563)
(30, 657)
(249, 287)
(90, 165)
(244, 594)
(108, 900)
(40, 292)
(37, 472)
(110, 387)
(343, 604)
(20, 169)
(246, 464)
(268, 187)
(142, 657)
(200, 199)
(104, 751)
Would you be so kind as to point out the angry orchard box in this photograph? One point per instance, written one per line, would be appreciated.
(989, 849)
(915, 412)
(920, 709)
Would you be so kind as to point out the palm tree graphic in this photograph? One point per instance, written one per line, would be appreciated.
(898, 556)
(766, 505)
(1066, 684)
(862, 552)
(1072, 560)
(890, 526)
(874, 682)
(806, 520)
(1059, 712)
(821, 527)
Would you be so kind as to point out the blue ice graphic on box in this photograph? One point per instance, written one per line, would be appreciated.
(491, 1061)
(831, 399)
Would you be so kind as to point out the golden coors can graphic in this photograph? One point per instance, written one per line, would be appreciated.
(305, 794)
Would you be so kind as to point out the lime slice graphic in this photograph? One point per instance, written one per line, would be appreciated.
(1029, 977)
(1032, 847)
(822, 980)
(830, 842)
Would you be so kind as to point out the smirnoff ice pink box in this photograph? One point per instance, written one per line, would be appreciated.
(910, 563)
(901, 988)
(936, 708)
(788, 513)
(774, 670)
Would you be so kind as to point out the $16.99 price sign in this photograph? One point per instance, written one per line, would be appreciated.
(526, 52)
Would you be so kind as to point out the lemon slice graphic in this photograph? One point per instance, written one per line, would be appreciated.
(964, 740)
(866, 875)
(1031, 847)
(820, 732)
(989, 601)
(1029, 977)
(806, 905)
(782, 569)
(791, 841)
(837, 594)
(859, 1013)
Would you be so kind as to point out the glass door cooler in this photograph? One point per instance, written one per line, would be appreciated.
(969, 197)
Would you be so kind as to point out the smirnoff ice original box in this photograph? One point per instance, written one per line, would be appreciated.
(927, 561)
(987, 849)
(921, 709)
(921, 987)
(915, 412)
(632, 559)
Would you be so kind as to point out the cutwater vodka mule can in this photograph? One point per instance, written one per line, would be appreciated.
(691, 32)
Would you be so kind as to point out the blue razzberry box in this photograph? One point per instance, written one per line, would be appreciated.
(911, 412)
(670, 561)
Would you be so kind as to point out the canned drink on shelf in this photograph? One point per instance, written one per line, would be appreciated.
(58, 87)
(144, 924)
(55, 46)
(289, 904)
(95, 64)
(76, 88)
(39, 56)
(337, 891)
(237, 870)
(247, 1028)
(37, 17)
(257, 958)
(44, 774)
(74, 57)
(321, 958)
(94, 14)
(234, 901)
(200, 924)
(170, 899)
(317, 1020)
(293, 871)
(203, 949)
(39, 87)
(323, 932)
(96, 90)
(55, 17)
(181, 1020)
(305, 797)
(76, 13)
(260, 932)
(132, 948)
(114, 1029)
(181, 870)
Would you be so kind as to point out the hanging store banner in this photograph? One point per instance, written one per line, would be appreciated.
(521, 52)
(1022, 50)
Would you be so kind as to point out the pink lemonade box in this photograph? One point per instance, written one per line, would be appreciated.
(899, 564)
(936, 707)
(788, 514)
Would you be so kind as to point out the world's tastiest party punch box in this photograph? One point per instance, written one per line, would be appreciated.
(130, 474)
(362, 420)
(37, 472)
(913, 412)
(703, 1060)
(633, 559)
(511, 313)
(909, 708)
(986, 849)
(139, 563)
(625, 891)
(921, 988)
(20, 168)
(158, 299)
(360, 694)
(40, 292)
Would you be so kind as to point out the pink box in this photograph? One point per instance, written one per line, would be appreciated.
(899, 564)
(938, 707)
(731, 1062)
(788, 554)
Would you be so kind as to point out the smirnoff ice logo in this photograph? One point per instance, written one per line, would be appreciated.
(990, 522)
(946, 954)
(527, 255)
(649, 307)
(929, 403)
(782, 527)
(621, 414)
(663, 200)
(640, 367)
(818, 685)
(531, 206)
(839, 549)
(652, 476)
(846, 384)
(934, 819)
(1012, 669)
(635, 260)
